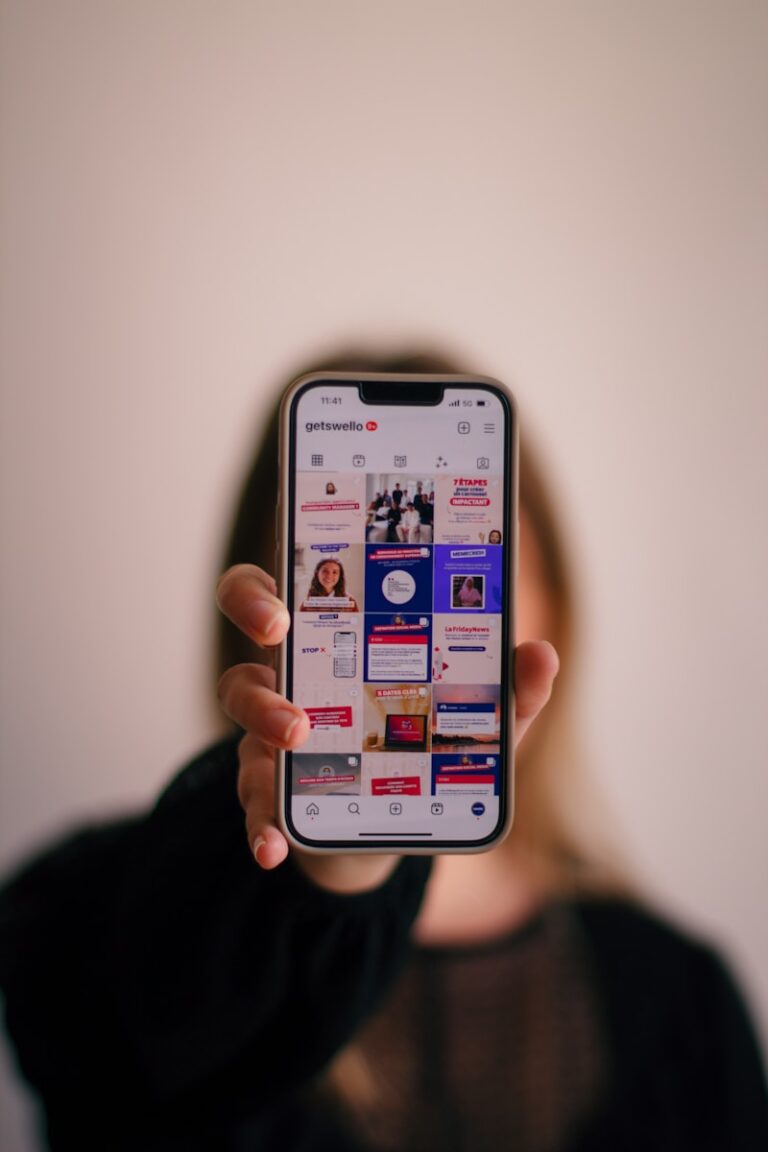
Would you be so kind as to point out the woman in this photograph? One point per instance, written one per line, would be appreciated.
(408, 528)
(427, 517)
(328, 581)
(379, 523)
(394, 516)
(165, 992)
(619, 1029)
(468, 596)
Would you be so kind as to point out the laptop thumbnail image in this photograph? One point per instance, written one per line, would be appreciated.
(405, 733)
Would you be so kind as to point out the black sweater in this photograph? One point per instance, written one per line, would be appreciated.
(163, 992)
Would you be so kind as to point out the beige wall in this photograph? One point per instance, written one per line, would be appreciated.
(198, 196)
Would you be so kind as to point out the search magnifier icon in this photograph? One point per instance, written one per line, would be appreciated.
(354, 808)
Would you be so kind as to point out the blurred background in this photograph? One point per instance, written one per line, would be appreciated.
(199, 198)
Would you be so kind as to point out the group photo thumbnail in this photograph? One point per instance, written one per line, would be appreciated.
(399, 508)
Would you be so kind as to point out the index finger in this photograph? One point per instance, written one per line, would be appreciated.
(247, 596)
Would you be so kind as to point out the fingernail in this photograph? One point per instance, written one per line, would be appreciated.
(280, 723)
(257, 844)
(263, 617)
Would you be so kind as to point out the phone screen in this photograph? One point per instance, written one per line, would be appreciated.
(398, 581)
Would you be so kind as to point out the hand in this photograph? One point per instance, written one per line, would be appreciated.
(248, 596)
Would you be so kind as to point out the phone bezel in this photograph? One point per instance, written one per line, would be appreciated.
(283, 567)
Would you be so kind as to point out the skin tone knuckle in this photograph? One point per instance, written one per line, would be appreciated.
(246, 778)
(225, 689)
(243, 711)
(244, 790)
(245, 698)
(224, 590)
(264, 676)
(253, 579)
(255, 777)
(259, 701)
(254, 824)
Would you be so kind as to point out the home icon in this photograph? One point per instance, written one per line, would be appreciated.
(313, 810)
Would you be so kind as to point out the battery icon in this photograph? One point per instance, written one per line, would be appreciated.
(480, 403)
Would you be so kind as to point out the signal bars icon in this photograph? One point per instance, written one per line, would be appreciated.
(454, 403)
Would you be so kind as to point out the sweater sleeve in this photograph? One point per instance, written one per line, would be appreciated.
(686, 1072)
(153, 969)
(729, 1075)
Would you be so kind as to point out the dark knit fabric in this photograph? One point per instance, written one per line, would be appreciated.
(162, 992)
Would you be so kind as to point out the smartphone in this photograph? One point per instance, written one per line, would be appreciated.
(396, 557)
(344, 655)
